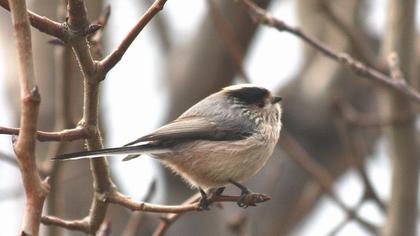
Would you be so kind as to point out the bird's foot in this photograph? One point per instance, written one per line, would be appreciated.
(204, 203)
(244, 192)
(241, 201)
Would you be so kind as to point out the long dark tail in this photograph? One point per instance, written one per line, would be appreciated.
(132, 151)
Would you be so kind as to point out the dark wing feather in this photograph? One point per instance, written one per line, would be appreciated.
(213, 118)
(183, 128)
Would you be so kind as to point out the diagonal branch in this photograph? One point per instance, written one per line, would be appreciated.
(359, 43)
(262, 16)
(112, 59)
(42, 23)
(120, 199)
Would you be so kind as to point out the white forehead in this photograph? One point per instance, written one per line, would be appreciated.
(241, 86)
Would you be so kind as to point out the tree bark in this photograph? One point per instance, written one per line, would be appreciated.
(402, 138)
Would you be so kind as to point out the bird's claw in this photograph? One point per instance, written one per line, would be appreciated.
(203, 204)
(241, 202)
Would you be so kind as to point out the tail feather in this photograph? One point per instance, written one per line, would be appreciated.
(131, 150)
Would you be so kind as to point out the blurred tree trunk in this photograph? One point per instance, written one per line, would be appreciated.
(307, 114)
(402, 138)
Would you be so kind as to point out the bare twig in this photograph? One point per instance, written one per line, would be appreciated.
(96, 38)
(264, 17)
(43, 24)
(162, 27)
(112, 59)
(77, 225)
(117, 198)
(348, 218)
(360, 44)
(192, 204)
(103, 185)
(24, 147)
(395, 67)
(79, 25)
(120, 199)
(44, 136)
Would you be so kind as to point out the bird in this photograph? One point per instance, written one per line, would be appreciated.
(225, 138)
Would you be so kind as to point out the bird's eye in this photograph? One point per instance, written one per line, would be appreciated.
(261, 104)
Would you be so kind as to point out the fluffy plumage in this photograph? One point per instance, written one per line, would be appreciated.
(227, 136)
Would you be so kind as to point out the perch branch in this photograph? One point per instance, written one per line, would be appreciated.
(120, 199)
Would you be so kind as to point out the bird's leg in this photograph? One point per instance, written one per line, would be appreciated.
(219, 191)
(244, 192)
(203, 204)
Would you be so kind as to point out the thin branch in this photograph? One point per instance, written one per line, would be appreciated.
(262, 16)
(44, 136)
(77, 225)
(102, 182)
(347, 220)
(360, 44)
(96, 38)
(42, 23)
(163, 31)
(85, 225)
(112, 59)
(24, 147)
(117, 198)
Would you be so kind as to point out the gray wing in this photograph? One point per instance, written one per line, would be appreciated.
(183, 128)
(210, 119)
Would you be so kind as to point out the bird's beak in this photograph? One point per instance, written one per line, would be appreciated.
(275, 100)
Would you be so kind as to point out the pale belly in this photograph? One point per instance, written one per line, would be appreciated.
(211, 164)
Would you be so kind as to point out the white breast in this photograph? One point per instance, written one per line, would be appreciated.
(210, 164)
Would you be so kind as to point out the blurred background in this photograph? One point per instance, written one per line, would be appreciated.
(191, 49)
